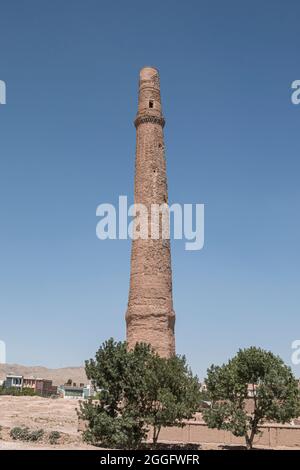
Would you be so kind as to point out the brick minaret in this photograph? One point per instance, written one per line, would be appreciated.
(150, 317)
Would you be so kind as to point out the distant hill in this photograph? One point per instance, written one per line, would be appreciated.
(58, 376)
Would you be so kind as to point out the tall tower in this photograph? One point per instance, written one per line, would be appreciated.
(150, 317)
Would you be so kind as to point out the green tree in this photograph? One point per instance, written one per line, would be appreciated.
(110, 421)
(137, 389)
(169, 393)
(254, 373)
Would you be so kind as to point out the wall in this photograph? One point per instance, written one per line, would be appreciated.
(196, 432)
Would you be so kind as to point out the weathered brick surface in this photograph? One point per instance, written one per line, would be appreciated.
(150, 316)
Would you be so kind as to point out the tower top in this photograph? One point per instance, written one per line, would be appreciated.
(149, 78)
(149, 104)
(146, 73)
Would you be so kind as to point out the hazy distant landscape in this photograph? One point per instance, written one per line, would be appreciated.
(58, 376)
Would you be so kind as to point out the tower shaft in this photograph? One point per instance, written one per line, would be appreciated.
(150, 317)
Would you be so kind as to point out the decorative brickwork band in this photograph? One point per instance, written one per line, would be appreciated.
(153, 119)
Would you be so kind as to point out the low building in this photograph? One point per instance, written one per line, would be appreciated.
(40, 386)
(45, 387)
(29, 382)
(89, 391)
(70, 391)
(74, 391)
(14, 381)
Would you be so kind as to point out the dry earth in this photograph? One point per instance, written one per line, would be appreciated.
(40, 413)
(50, 415)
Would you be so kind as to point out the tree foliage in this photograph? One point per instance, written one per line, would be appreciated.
(253, 377)
(137, 389)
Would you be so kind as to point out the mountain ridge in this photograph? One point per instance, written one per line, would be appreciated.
(58, 375)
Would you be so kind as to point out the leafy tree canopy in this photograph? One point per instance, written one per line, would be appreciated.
(255, 377)
(137, 389)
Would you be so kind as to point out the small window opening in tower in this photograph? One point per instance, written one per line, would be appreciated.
(151, 104)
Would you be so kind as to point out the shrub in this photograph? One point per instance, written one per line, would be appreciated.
(54, 436)
(36, 435)
(17, 392)
(20, 433)
(24, 434)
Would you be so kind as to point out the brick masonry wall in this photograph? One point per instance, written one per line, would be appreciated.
(196, 432)
(150, 316)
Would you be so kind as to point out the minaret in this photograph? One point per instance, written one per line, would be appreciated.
(150, 317)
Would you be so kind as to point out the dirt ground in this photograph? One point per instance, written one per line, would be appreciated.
(50, 415)
(40, 413)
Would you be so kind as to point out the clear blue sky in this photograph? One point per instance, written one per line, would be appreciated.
(67, 145)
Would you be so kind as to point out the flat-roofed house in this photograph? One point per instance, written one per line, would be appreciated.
(13, 380)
